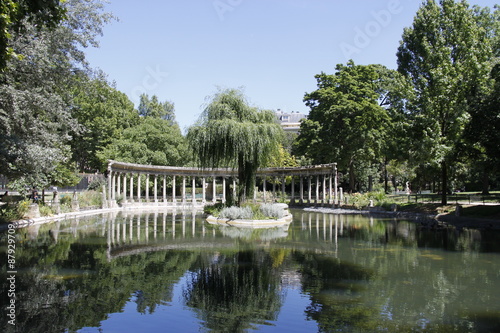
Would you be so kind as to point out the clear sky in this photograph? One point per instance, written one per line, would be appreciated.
(182, 50)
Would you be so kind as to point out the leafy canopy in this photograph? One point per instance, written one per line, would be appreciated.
(231, 133)
(347, 123)
(445, 55)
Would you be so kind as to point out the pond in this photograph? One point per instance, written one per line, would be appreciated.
(173, 272)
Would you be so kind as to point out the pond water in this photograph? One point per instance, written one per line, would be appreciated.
(173, 272)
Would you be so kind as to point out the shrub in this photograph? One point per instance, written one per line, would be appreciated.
(213, 209)
(14, 211)
(234, 213)
(90, 199)
(45, 210)
(65, 200)
(274, 211)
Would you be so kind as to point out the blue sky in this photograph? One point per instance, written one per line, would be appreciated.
(182, 51)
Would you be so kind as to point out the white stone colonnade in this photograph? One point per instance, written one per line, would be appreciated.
(131, 184)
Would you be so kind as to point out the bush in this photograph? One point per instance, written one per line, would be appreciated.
(360, 200)
(274, 211)
(14, 211)
(65, 200)
(236, 213)
(247, 212)
(213, 209)
(45, 210)
(90, 199)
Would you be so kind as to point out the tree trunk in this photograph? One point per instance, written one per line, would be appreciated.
(444, 183)
(386, 177)
(352, 179)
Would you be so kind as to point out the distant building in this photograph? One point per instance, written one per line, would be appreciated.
(290, 122)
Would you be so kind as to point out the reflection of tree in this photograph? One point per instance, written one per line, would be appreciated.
(236, 291)
(332, 285)
(85, 287)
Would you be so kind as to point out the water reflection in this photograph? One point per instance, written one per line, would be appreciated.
(342, 273)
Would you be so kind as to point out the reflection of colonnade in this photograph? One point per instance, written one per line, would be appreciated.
(135, 183)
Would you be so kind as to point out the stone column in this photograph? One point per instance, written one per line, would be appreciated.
(264, 188)
(283, 193)
(131, 187)
(124, 187)
(110, 184)
(164, 188)
(138, 187)
(330, 191)
(183, 189)
(324, 189)
(335, 185)
(223, 189)
(309, 194)
(214, 190)
(292, 199)
(193, 189)
(317, 189)
(147, 187)
(234, 189)
(113, 191)
(173, 190)
(301, 190)
(203, 196)
(155, 191)
(118, 186)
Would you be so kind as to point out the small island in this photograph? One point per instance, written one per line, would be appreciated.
(252, 216)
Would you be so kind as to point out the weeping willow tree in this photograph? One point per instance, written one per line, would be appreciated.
(230, 133)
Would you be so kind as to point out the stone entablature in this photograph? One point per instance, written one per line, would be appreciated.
(124, 179)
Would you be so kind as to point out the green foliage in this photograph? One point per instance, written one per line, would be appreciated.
(247, 211)
(45, 210)
(349, 117)
(14, 15)
(153, 141)
(103, 113)
(445, 55)
(213, 209)
(66, 199)
(36, 90)
(362, 200)
(152, 107)
(230, 133)
(14, 211)
(236, 213)
(274, 211)
(90, 199)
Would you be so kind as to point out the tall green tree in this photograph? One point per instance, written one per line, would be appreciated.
(445, 55)
(152, 107)
(102, 113)
(349, 120)
(231, 133)
(482, 133)
(36, 91)
(14, 15)
(152, 141)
